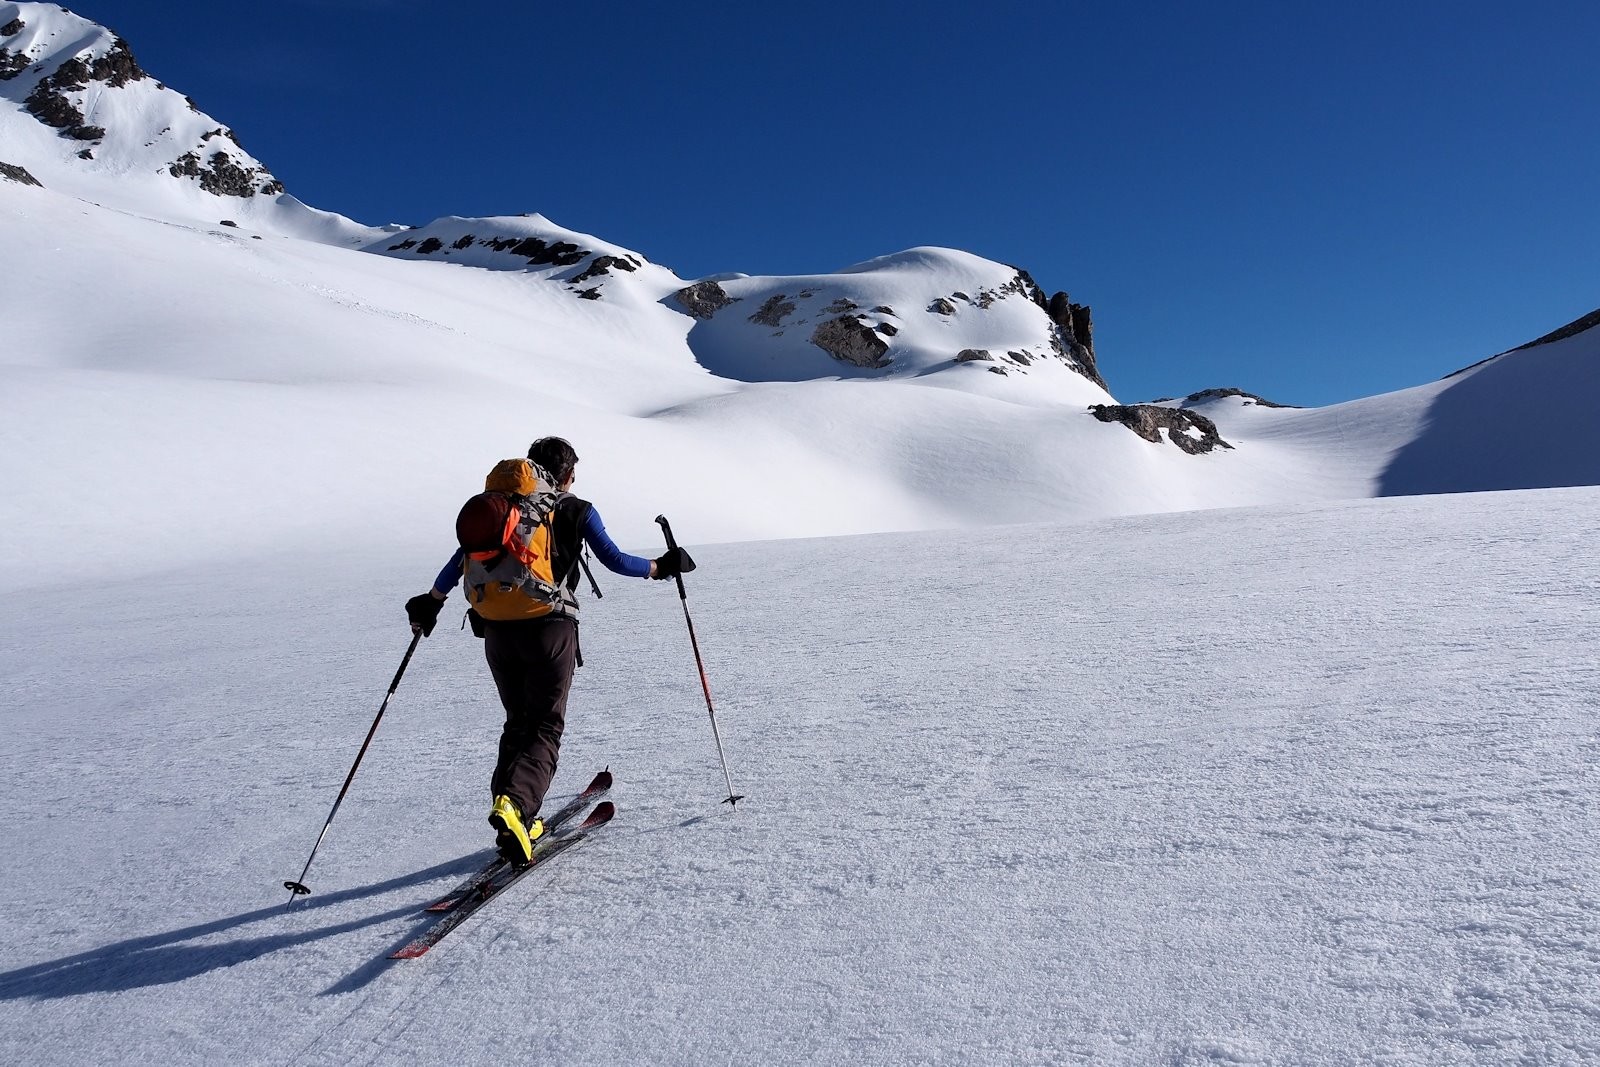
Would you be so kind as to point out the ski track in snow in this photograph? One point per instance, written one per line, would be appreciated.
(1289, 785)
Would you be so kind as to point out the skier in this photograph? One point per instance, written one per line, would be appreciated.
(532, 659)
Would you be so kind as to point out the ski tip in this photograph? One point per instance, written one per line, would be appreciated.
(410, 952)
(601, 783)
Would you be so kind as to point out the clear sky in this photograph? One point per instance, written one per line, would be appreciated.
(1310, 202)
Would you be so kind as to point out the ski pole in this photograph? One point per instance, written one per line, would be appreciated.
(298, 888)
(732, 799)
(584, 563)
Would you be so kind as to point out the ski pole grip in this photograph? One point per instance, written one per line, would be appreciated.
(672, 544)
(666, 528)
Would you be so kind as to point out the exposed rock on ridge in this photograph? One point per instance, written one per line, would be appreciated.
(224, 176)
(1571, 329)
(703, 299)
(1072, 335)
(1217, 394)
(1193, 433)
(49, 102)
(534, 251)
(19, 175)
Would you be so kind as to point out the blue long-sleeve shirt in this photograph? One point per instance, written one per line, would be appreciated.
(594, 535)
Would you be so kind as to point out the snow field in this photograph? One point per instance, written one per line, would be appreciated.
(1285, 785)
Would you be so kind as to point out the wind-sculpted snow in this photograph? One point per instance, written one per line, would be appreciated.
(1308, 785)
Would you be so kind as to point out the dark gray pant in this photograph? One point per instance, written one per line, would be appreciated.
(532, 664)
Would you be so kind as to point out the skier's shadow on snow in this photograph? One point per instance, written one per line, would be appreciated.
(161, 959)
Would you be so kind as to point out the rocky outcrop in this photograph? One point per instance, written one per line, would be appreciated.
(1571, 329)
(10, 172)
(1072, 332)
(540, 253)
(852, 341)
(117, 67)
(1193, 433)
(12, 28)
(12, 64)
(1075, 334)
(773, 311)
(974, 355)
(225, 177)
(50, 106)
(1217, 394)
(703, 299)
(537, 251)
(603, 265)
(49, 102)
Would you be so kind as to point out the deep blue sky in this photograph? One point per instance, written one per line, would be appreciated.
(1312, 204)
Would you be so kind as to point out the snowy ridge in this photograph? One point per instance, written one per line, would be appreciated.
(582, 264)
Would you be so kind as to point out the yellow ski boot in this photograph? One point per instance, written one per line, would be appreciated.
(514, 839)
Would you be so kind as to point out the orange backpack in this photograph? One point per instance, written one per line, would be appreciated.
(508, 568)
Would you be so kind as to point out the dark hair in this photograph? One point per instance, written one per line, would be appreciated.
(556, 456)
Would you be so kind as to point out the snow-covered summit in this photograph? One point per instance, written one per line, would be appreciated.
(904, 315)
(80, 115)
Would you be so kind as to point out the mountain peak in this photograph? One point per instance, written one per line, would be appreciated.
(84, 106)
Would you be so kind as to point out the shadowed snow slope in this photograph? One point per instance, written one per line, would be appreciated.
(1309, 785)
(1525, 419)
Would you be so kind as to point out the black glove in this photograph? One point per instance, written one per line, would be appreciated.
(673, 563)
(423, 611)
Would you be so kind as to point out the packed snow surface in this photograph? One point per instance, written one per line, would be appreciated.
(1281, 785)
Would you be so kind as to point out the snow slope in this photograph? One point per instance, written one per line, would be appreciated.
(228, 390)
(1309, 785)
(231, 390)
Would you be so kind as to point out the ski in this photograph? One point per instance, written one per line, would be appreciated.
(504, 880)
(552, 826)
